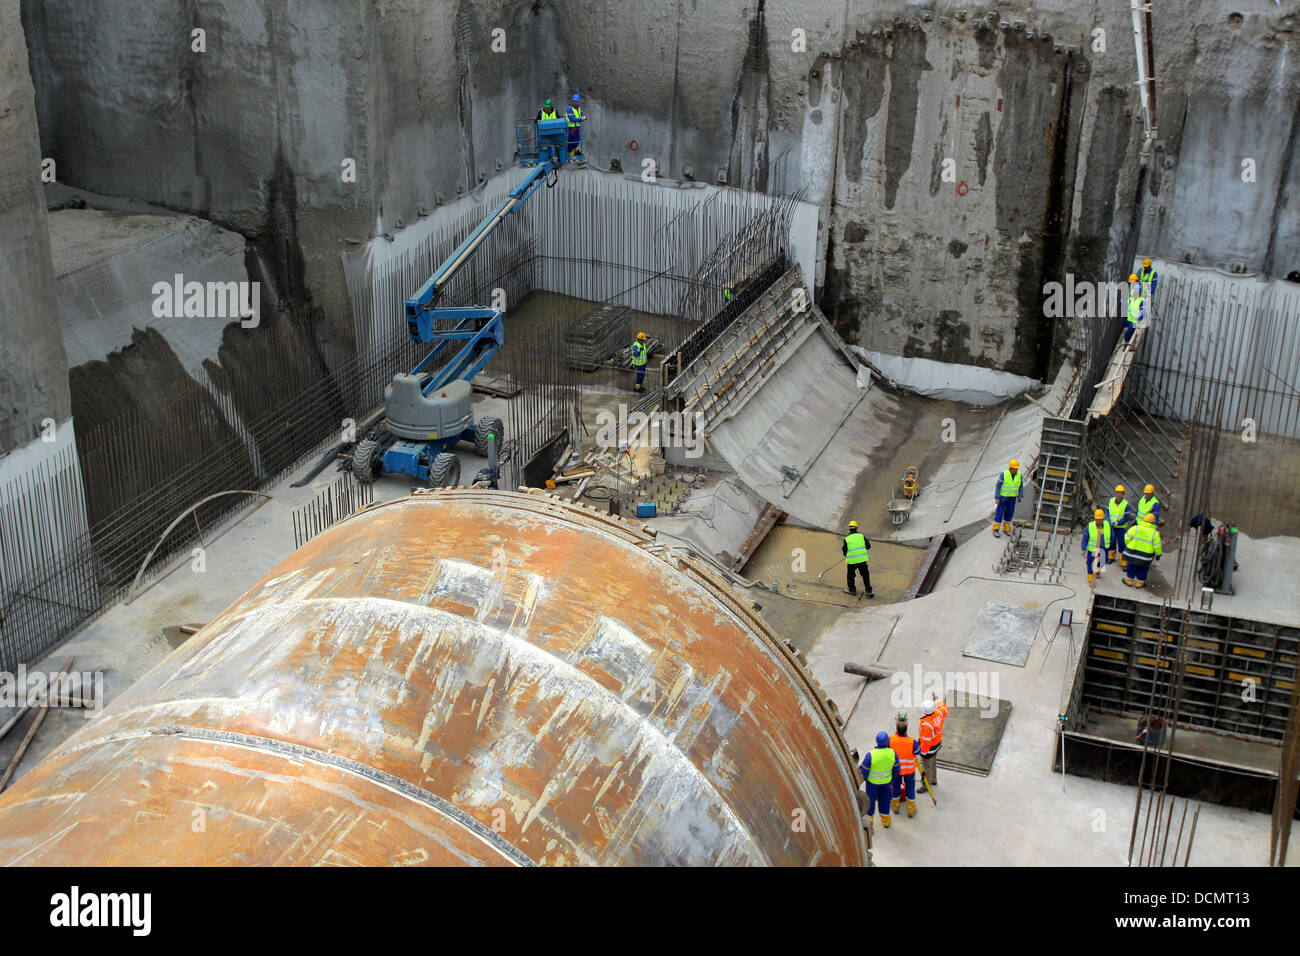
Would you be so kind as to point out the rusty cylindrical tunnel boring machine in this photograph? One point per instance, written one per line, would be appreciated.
(460, 677)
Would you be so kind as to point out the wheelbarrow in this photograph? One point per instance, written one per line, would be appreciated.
(906, 490)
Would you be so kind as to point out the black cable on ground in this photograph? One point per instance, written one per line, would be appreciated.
(1041, 584)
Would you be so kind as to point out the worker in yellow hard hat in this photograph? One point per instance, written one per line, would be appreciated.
(1141, 547)
(857, 552)
(1149, 504)
(1007, 491)
(1148, 276)
(640, 355)
(1096, 542)
(1135, 308)
(1121, 514)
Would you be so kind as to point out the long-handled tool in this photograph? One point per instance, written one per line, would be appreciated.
(827, 571)
(925, 782)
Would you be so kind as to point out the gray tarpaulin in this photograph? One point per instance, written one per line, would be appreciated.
(958, 383)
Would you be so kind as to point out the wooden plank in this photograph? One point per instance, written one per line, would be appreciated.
(768, 519)
(36, 725)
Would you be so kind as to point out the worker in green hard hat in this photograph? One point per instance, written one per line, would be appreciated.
(547, 111)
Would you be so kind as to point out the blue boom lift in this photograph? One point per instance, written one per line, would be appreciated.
(428, 412)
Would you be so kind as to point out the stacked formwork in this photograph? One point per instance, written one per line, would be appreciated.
(1218, 688)
(598, 336)
(1237, 675)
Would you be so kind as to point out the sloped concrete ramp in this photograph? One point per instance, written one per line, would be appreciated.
(803, 438)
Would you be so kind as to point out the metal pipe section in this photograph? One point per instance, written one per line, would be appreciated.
(1146, 74)
(460, 677)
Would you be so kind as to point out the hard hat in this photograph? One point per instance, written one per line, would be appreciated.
(1149, 490)
(641, 336)
(1146, 263)
(1099, 514)
(1119, 489)
(1151, 518)
(1133, 277)
(577, 98)
(548, 102)
(1013, 463)
(882, 739)
(853, 524)
(927, 708)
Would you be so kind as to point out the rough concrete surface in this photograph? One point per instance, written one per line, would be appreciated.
(106, 265)
(33, 366)
(863, 109)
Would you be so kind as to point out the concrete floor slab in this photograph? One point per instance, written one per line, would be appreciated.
(972, 732)
(1022, 813)
(1003, 633)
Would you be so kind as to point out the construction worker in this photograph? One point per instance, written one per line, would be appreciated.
(1006, 492)
(575, 116)
(728, 294)
(640, 355)
(1141, 547)
(1136, 303)
(1148, 276)
(1149, 504)
(1096, 543)
(1150, 730)
(934, 712)
(857, 552)
(1121, 516)
(547, 112)
(878, 771)
(905, 778)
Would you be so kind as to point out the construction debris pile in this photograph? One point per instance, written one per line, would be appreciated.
(633, 479)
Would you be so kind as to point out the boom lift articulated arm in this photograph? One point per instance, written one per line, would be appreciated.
(421, 308)
(427, 412)
(480, 329)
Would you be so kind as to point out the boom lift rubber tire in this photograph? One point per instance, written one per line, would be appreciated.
(485, 427)
(363, 460)
(444, 471)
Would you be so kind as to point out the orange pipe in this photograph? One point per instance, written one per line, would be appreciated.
(460, 677)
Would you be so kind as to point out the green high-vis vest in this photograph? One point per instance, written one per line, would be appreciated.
(857, 545)
(1094, 534)
(1010, 484)
(1143, 539)
(882, 765)
(1146, 506)
(1135, 308)
(1118, 512)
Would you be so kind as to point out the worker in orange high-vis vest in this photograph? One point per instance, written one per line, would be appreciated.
(935, 712)
(905, 779)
